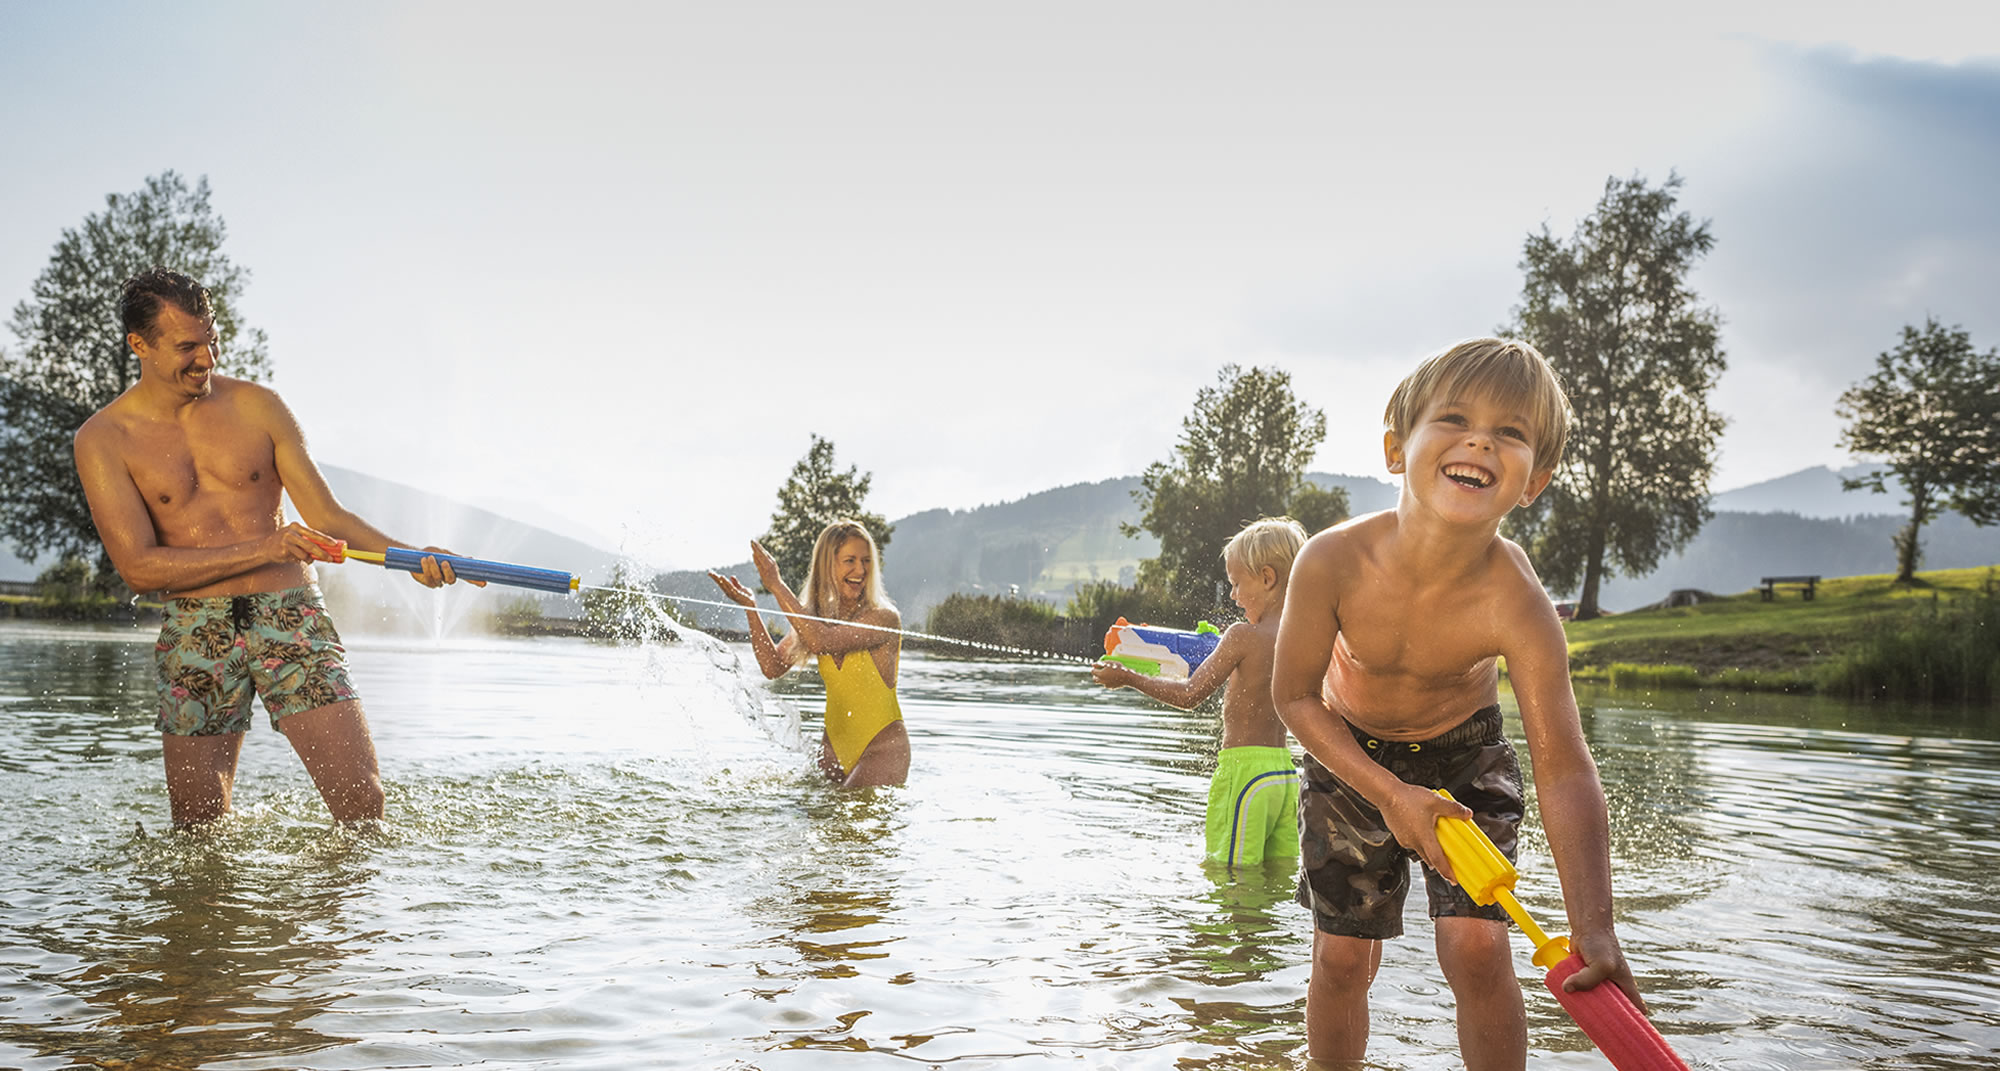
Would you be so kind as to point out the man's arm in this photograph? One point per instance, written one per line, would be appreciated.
(1199, 685)
(126, 528)
(317, 505)
(1566, 785)
(1306, 633)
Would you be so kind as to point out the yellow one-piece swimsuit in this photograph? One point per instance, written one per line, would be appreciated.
(859, 704)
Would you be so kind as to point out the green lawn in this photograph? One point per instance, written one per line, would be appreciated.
(1742, 640)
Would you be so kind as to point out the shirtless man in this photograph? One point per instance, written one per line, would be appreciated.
(183, 472)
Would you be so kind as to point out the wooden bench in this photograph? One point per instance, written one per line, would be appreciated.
(1770, 585)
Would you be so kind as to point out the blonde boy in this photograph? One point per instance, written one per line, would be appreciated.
(1386, 671)
(1253, 798)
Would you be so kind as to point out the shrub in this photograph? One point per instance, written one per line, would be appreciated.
(1941, 651)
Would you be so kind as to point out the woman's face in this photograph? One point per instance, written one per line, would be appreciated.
(852, 563)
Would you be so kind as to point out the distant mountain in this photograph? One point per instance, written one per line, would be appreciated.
(1734, 550)
(1043, 545)
(1040, 547)
(1813, 492)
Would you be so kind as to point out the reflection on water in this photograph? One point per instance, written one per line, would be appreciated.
(618, 857)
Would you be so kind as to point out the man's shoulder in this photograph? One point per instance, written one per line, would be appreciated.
(242, 392)
(106, 424)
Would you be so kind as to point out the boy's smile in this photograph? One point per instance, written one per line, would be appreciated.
(1469, 458)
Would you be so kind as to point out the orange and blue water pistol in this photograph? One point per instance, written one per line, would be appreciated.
(1604, 1012)
(1170, 653)
(412, 561)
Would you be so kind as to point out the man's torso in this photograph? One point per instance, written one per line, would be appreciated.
(209, 478)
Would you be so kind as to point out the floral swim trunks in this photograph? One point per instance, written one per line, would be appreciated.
(212, 651)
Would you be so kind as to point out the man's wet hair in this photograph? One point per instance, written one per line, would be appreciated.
(1509, 371)
(140, 300)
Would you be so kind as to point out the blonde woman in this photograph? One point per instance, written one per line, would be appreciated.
(865, 742)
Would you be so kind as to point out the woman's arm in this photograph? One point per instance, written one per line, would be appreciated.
(773, 657)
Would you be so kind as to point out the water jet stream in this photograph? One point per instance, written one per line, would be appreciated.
(982, 645)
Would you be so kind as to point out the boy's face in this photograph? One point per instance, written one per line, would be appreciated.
(1469, 459)
(1251, 589)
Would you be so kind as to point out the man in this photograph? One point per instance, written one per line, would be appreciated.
(183, 472)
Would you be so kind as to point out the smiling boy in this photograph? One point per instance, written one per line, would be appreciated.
(1386, 670)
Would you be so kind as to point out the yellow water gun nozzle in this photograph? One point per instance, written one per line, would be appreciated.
(1489, 878)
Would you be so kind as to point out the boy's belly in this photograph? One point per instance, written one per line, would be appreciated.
(1407, 708)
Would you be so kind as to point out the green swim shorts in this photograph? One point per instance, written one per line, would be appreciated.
(1253, 806)
(212, 651)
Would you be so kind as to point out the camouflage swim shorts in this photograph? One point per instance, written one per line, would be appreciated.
(212, 651)
(1355, 875)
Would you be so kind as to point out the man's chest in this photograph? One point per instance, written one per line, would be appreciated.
(173, 464)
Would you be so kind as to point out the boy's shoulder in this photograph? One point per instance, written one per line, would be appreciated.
(1351, 538)
(1264, 633)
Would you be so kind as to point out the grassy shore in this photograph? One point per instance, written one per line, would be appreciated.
(1789, 644)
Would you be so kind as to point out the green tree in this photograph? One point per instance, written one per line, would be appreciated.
(1932, 410)
(1242, 455)
(1612, 311)
(73, 360)
(812, 497)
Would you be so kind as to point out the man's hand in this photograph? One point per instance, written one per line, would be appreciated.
(296, 542)
(1411, 815)
(437, 574)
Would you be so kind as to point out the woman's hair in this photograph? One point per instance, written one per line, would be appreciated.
(820, 594)
(1272, 541)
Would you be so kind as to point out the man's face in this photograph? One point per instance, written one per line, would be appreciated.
(182, 352)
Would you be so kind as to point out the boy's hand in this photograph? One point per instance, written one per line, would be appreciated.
(1411, 815)
(1111, 674)
(1603, 961)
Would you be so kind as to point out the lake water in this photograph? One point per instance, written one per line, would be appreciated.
(618, 857)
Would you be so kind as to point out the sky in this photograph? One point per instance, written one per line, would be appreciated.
(607, 267)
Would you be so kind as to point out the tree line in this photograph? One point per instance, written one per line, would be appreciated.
(1609, 305)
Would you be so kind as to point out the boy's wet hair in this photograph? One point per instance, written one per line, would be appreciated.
(1272, 541)
(1507, 370)
(139, 300)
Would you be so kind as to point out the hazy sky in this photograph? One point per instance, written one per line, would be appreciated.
(608, 265)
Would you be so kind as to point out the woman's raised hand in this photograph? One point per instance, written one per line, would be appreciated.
(767, 566)
(733, 588)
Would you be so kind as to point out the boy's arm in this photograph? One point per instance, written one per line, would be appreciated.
(1306, 634)
(1189, 693)
(1568, 790)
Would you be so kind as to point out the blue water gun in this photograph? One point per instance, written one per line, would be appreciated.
(412, 561)
(1172, 653)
